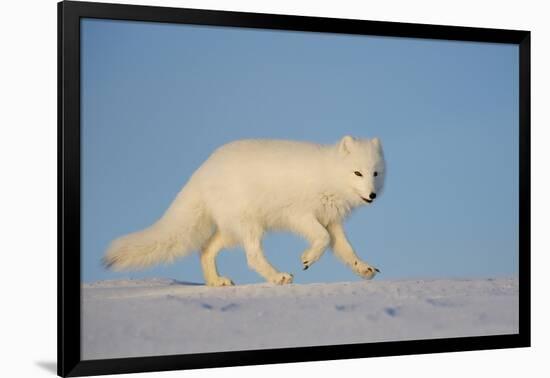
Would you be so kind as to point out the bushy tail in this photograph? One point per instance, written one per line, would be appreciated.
(184, 228)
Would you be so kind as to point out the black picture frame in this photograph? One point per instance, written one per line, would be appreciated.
(69, 283)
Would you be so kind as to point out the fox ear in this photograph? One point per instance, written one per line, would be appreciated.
(376, 143)
(346, 144)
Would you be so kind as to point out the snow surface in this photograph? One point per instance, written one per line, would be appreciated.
(128, 318)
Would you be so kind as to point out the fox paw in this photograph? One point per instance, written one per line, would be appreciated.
(220, 281)
(365, 270)
(308, 259)
(282, 278)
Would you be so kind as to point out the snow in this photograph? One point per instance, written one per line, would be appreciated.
(129, 318)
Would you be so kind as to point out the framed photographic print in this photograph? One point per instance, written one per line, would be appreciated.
(240, 188)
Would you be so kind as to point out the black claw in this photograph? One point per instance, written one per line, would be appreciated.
(306, 266)
(377, 270)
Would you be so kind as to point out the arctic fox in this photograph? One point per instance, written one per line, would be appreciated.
(248, 187)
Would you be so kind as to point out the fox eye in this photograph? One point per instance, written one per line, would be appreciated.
(375, 173)
(357, 173)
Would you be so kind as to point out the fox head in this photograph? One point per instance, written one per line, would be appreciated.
(362, 168)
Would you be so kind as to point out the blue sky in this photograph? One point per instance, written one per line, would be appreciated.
(157, 99)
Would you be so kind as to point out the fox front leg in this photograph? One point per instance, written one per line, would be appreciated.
(344, 251)
(318, 238)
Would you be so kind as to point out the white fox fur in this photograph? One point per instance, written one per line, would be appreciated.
(248, 187)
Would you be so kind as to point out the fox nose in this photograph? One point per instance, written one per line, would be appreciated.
(372, 195)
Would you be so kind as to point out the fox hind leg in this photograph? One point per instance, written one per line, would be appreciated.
(208, 261)
(257, 261)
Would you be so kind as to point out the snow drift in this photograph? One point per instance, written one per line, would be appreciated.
(129, 318)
